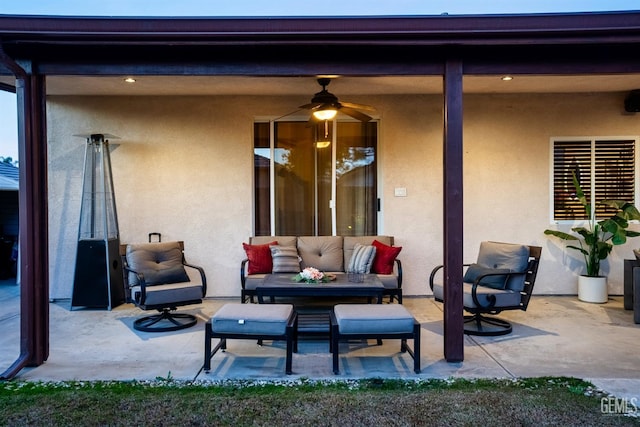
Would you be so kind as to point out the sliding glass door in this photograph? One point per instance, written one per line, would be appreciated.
(315, 180)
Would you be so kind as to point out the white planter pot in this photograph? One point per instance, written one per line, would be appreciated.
(592, 289)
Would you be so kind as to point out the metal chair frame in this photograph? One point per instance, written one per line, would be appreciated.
(482, 320)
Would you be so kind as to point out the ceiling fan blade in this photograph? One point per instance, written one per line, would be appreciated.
(354, 113)
(311, 105)
(357, 106)
(326, 100)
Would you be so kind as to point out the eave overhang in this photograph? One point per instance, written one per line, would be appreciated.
(541, 43)
(429, 30)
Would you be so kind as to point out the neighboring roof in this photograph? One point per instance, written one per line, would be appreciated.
(9, 177)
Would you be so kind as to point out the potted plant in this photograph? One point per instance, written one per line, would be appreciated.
(596, 240)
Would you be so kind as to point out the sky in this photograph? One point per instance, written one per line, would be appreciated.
(304, 8)
(8, 129)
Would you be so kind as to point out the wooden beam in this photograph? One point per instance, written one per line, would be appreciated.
(34, 265)
(34, 244)
(453, 213)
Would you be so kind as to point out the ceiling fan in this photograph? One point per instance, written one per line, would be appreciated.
(324, 105)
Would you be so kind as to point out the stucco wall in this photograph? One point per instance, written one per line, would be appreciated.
(184, 168)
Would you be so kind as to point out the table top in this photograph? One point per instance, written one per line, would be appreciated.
(286, 280)
(282, 284)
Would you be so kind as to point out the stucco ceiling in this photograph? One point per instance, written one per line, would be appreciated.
(239, 85)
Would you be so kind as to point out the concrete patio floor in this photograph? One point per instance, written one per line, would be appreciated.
(557, 336)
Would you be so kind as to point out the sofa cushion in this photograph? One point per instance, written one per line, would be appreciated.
(285, 259)
(361, 259)
(509, 256)
(259, 257)
(322, 252)
(253, 281)
(385, 257)
(282, 240)
(160, 263)
(389, 281)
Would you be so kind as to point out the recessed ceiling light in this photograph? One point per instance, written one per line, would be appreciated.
(507, 78)
(130, 80)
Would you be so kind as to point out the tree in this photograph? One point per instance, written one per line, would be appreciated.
(8, 160)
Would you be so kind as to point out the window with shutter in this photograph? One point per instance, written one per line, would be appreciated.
(605, 168)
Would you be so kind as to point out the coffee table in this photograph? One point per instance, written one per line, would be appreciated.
(315, 321)
(283, 285)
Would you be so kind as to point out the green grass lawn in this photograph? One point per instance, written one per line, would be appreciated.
(374, 402)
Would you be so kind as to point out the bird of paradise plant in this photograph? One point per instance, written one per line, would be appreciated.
(597, 238)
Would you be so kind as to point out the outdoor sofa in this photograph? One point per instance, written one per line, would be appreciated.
(329, 254)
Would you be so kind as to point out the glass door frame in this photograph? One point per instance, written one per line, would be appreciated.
(332, 202)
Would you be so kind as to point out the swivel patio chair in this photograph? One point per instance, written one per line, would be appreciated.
(501, 279)
(157, 280)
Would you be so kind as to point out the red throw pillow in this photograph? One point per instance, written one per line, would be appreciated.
(259, 256)
(385, 257)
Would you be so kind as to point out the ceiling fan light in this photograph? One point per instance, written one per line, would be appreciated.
(323, 144)
(325, 114)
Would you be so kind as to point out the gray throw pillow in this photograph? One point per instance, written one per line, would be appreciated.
(361, 259)
(285, 259)
(497, 282)
(510, 256)
(160, 263)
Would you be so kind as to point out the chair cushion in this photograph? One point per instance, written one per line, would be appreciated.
(509, 256)
(504, 297)
(169, 294)
(475, 270)
(361, 259)
(322, 252)
(160, 263)
(385, 257)
(285, 259)
(256, 319)
(373, 318)
(259, 257)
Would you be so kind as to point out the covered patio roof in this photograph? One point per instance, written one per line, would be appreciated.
(444, 53)
(363, 46)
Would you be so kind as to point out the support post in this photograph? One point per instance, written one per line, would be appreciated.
(34, 246)
(453, 212)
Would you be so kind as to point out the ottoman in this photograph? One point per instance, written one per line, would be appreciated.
(374, 321)
(251, 321)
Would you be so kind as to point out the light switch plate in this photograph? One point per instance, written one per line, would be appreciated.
(400, 192)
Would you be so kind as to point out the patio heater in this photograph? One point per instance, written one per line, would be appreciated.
(98, 281)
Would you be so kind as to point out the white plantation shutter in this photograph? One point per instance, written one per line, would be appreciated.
(605, 168)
